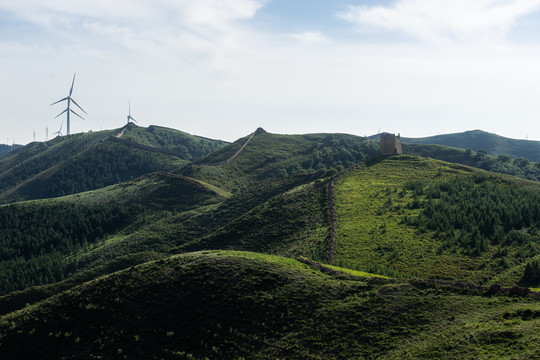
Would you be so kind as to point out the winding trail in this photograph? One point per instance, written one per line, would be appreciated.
(119, 135)
(225, 162)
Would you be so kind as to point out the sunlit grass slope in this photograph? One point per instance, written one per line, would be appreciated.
(231, 305)
(409, 216)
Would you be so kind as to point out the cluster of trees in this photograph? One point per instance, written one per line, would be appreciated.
(325, 153)
(472, 212)
(503, 164)
(335, 150)
(531, 276)
(35, 239)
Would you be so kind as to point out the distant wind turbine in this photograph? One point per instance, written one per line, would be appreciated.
(59, 132)
(68, 109)
(129, 118)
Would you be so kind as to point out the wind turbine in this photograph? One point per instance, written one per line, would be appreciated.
(68, 109)
(129, 118)
(59, 132)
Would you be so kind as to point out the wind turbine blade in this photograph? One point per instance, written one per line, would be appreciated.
(76, 114)
(73, 82)
(79, 106)
(129, 104)
(59, 101)
(133, 119)
(60, 113)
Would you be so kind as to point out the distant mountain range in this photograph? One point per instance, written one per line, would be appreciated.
(480, 140)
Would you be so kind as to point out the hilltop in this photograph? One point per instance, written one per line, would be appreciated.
(278, 156)
(76, 163)
(477, 140)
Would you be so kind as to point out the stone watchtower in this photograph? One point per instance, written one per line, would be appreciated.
(390, 144)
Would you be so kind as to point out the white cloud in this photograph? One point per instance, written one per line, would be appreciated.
(137, 12)
(196, 66)
(463, 21)
(310, 37)
(194, 31)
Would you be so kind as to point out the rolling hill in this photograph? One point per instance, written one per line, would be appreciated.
(147, 249)
(413, 217)
(278, 156)
(233, 305)
(81, 162)
(480, 140)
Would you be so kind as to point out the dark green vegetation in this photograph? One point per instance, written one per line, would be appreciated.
(146, 264)
(503, 164)
(229, 305)
(477, 140)
(187, 146)
(81, 162)
(7, 148)
(279, 156)
(37, 237)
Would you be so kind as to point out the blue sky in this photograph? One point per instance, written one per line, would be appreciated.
(221, 68)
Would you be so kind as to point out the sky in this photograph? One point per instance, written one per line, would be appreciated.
(222, 68)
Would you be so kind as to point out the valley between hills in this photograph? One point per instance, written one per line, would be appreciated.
(158, 244)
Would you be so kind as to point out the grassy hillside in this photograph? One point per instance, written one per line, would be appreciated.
(18, 166)
(162, 213)
(232, 305)
(46, 241)
(190, 147)
(503, 164)
(480, 140)
(92, 168)
(81, 162)
(409, 216)
(278, 156)
(293, 222)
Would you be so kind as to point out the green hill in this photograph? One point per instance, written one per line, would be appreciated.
(189, 147)
(414, 217)
(147, 243)
(156, 214)
(46, 241)
(231, 305)
(77, 163)
(480, 140)
(4, 149)
(278, 156)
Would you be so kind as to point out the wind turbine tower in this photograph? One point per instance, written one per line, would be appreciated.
(129, 118)
(68, 109)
